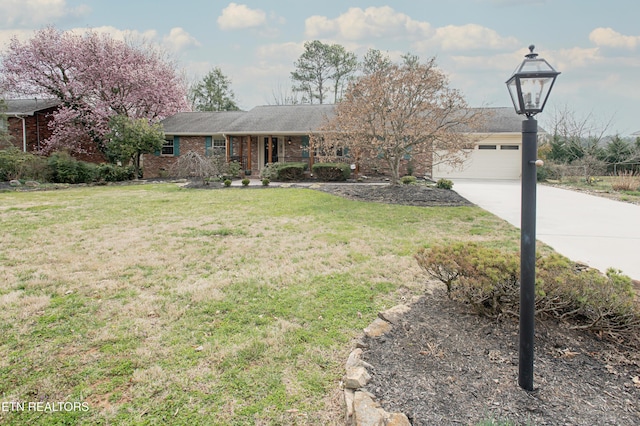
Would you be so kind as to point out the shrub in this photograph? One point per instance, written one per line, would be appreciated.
(408, 180)
(488, 280)
(193, 165)
(291, 171)
(625, 181)
(284, 171)
(86, 172)
(15, 164)
(233, 169)
(444, 184)
(269, 171)
(331, 172)
(227, 182)
(245, 182)
(114, 173)
(265, 182)
(66, 169)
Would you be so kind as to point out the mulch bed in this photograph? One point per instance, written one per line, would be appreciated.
(443, 365)
(413, 195)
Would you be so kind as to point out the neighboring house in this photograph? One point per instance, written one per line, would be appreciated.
(268, 134)
(28, 125)
(28, 122)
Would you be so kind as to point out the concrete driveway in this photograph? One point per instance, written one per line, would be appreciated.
(599, 232)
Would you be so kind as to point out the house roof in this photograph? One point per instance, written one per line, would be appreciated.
(200, 123)
(28, 106)
(502, 120)
(268, 119)
(282, 119)
(293, 120)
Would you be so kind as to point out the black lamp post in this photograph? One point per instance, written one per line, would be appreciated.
(529, 87)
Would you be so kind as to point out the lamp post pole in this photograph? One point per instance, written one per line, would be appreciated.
(529, 87)
(528, 252)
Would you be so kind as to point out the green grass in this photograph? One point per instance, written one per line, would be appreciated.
(153, 304)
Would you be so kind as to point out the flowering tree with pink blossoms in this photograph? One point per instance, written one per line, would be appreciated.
(95, 77)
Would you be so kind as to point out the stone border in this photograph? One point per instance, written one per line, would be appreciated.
(362, 407)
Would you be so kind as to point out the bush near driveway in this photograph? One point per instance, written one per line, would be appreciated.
(487, 279)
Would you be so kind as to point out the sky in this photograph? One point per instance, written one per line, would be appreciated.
(595, 44)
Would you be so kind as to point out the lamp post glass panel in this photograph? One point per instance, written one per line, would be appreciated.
(529, 87)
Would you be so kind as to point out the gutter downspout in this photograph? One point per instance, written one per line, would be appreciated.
(24, 131)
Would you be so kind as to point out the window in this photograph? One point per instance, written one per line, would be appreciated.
(510, 147)
(167, 147)
(219, 147)
(487, 147)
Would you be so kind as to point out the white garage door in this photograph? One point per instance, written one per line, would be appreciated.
(486, 161)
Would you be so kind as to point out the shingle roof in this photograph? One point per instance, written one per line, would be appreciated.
(200, 123)
(28, 106)
(268, 119)
(502, 120)
(294, 119)
(287, 119)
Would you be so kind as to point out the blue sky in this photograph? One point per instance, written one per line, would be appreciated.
(478, 43)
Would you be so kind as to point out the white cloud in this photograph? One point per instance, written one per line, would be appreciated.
(471, 36)
(133, 36)
(7, 35)
(30, 13)
(358, 24)
(239, 16)
(280, 52)
(576, 57)
(178, 39)
(607, 37)
(385, 22)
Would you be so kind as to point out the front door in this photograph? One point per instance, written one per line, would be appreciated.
(274, 150)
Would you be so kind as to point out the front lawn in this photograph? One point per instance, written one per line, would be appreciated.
(153, 304)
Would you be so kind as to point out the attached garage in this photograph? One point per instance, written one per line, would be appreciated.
(488, 160)
(496, 155)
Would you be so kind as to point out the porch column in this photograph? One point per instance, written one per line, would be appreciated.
(226, 146)
(248, 152)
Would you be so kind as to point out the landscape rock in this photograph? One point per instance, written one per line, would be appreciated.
(355, 360)
(361, 406)
(394, 315)
(349, 395)
(356, 378)
(397, 419)
(377, 328)
(366, 411)
(15, 182)
(32, 184)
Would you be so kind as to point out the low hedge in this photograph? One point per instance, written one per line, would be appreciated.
(60, 167)
(290, 171)
(331, 172)
(15, 164)
(488, 280)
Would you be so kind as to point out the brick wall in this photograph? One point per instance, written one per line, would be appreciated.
(37, 131)
(154, 166)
